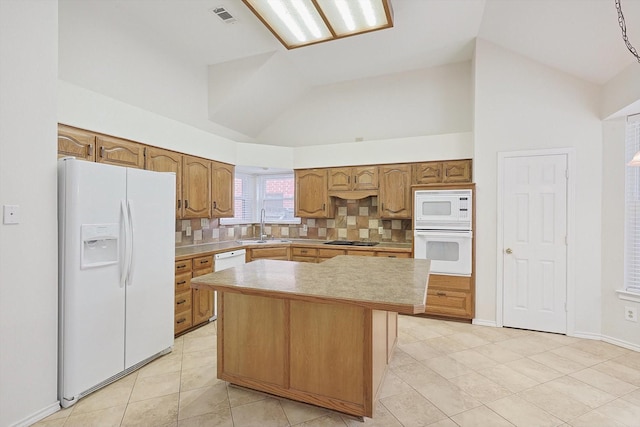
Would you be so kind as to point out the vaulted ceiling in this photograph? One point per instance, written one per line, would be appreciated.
(178, 59)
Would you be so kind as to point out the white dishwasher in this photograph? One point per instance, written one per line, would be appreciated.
(223, 261)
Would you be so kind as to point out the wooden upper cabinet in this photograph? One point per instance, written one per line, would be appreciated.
(395, 191)
(353, 178)
(76, 143)
(222, 185)
(196, 187)
(115, 151)
(365, 177)
(159, 160)
(427, 173)
(456, 171)
(446, 172)
(339, 179)
(311, 198)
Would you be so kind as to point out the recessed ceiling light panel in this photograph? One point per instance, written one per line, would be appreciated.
(297, 23)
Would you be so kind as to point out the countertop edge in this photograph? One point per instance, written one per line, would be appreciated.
(393, 307)
(188, 252)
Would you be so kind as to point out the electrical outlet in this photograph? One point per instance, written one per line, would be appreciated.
(188, 231)
(631, 314)
(304, 227)
(380, 230)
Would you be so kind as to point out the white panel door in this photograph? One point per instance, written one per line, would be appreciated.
(535, 245)
(150, 286)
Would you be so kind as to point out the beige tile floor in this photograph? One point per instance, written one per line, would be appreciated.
(441, 374)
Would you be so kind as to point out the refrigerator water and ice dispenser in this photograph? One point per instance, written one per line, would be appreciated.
(99, 245)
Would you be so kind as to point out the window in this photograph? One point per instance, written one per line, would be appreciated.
(273, 193)
(632, 209)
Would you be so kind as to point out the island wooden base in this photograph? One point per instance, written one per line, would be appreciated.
(328, 354)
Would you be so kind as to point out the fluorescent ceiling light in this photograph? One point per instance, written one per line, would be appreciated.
(299, 23)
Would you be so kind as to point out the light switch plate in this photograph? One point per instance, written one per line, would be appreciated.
(11, 214)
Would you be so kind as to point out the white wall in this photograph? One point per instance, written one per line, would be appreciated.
(614, 328)
(414, 149)
(28, 251)
(523, 105)
(429, 101)
(620, 92)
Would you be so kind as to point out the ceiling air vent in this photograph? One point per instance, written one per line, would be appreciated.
(223, 14)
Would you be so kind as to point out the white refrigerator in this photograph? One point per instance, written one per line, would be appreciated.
(116, 260)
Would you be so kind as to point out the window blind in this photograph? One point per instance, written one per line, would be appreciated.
(632, 207)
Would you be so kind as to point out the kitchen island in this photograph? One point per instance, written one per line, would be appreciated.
(316, 333)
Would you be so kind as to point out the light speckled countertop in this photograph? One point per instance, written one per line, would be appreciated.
(184, 252)
(391, 284)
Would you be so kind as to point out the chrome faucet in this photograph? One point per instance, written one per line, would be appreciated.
(263, 213)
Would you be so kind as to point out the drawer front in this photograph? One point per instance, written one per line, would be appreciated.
(456, 283)
(303, 258)
(183, 282)
(271, 253)
(361, 253)
(449, 303)
(330, 253)
(183, 266)
(183, 302)
(305, 252)
(394, 254)
(182, 322)
(203, 262)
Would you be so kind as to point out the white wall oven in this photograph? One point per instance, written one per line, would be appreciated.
(443, 230)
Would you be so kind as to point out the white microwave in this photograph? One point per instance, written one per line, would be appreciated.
(443, 209)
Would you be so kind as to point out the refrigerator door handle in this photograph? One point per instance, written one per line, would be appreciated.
(125, 257)
(131, 242)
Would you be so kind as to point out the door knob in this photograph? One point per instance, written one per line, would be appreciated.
(509, 251)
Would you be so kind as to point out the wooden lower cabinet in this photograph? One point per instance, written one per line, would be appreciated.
(394, 254)
(328, 354)
(272, 252)
(450, 296)
(183, 318)
(304, 254)
(192, 306)
(325, 254)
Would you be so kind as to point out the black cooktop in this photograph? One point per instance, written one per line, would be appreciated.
(350, 243)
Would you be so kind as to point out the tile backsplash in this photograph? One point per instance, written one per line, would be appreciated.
(353, 220)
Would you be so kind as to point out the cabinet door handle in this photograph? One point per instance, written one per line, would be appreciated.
(90, 149)
(179, 203)
(186, 204)
(215, 205)
(181, 321)
(355, 179)
(102, 151)
(204, 261)
(181, 266)
(348, 180)
(303, 251)
(391, 256)
(182, 283)
(181, 302)
(441, 294)
(323, 206)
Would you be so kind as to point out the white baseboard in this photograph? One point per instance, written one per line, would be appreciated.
(586, 335)
(41, 414)
(621, 343)
(481, 322)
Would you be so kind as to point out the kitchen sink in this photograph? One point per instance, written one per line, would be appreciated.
(350, 243)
